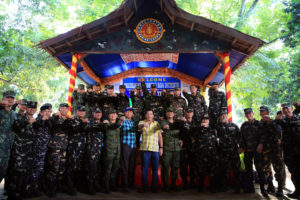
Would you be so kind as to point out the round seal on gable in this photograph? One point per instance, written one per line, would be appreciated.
(149, 31)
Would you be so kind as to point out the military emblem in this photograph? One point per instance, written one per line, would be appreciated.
(149, 31)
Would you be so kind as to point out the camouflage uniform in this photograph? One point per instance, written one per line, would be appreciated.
(206, 148)
(179, 105)
(217, 103)
(22, 156)
(291, 148)
(56, 156)
(251, 137)
(196, 102)
(112, 152)
(171, 155)
(108, 102)
(152, 102)
(78, 99)
(137, 106)
(229, 135)
(7, 135)
(122, 102)
(188, 154)
(94, 144)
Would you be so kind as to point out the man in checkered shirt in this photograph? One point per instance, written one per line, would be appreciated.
(128, 149)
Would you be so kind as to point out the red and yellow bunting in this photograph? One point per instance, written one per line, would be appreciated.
(72, 72)
(227, 75)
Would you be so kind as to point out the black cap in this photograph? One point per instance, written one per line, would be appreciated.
(286, 105)
(214, 83)
(248, 110)
(110, 87)
(138, 87)
(81, 86)
(128, 109)
(170, 109)
(10, 94)
(45, 106)
(97, 84)
(111, 111)
(279, 112)
(223, 111)
(122, 87)
(98, 110)
(24, 102)
(263, 108)
(153, 85)
(205, 116)
(31, 104)
(189, 110)
(81, 108)
(63, 105)
(89, 86)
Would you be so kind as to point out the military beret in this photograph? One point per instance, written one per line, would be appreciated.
(189, 110)
(286, 105)
(89, 86)
(24, 102)
(81, 86)
(128, 109)
(214, 83)
(263, 108)
(98, 110)
(153, 85)
(138, 87)
(111, 111)
(177, 88)
(10, 94)
(248, 110)
(45, 106)
(279, 112)
(110, 87)
(97, 84)
(31, 104)
(63, 105)
(122, 87)
(170, 109)
(205, 116)
(81, 108)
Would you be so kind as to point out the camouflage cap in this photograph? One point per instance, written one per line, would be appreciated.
(263, 108)
(23, 102)
(214, 83)
(31, 104)
(248, 110)
(89, 86)
(170, 109)
(189, 110)
(205, 116)
(168, 90)
(153, 85)
(110, 87)
(177, 88)
(223, 111)
(63, 105)
(96, 84)
(111, 111)
(286, 105)
(279, 112)
(138, 87)
(10, 94)
(45, 106)
(128, 109)
(81, 87)
(98, 110)
(122, 87)
(81, 108)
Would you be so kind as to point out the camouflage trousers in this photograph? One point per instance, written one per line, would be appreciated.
(274, 158)
(291, 156)
(259, 165)
(5, 149)
(187, 166)
(19, 184)
(92, 165)
(111, 161)
(170, 159)
(206, 165)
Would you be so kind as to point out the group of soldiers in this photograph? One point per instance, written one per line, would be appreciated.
(57, 152)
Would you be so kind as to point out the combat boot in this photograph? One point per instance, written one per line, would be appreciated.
(91, 189)
(251, 188)
(279, 192)
(263, 191)
(271, 189)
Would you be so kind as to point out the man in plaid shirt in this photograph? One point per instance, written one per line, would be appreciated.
(128, 149)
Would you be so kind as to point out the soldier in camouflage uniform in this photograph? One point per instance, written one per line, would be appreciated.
(93, 99)
(22, 107)
(172, 146)
(122, 100)
(56, 156)
(230, 137)
(89, 101)
(187, 154)
(22, 154)
(137, 103)
(197, 102)
(178, 103)
(112, 150)
(271, 151)
(42, 128)
(7, 118)
(290, 124)
(217, 103)
(76, 149)
(152, 101)
(108, 101)
(94, 144)
(252, 142)
(206, 144)
(78, 98)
